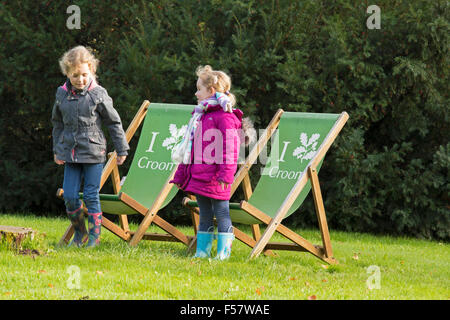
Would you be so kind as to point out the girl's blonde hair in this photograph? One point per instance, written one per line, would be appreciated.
(78, 55)
(218, 80)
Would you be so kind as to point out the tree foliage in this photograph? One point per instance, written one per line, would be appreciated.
(388, 172)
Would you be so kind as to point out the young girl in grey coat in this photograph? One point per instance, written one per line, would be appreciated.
(80, 109)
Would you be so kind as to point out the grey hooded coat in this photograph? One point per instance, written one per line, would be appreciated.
(77, 119)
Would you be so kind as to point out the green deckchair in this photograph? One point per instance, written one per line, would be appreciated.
(146, 188)
(298, 149)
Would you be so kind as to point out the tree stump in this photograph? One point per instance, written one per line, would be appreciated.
(13, 237)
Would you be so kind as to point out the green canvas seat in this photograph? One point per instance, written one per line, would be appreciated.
(297, 152)
(146, 188)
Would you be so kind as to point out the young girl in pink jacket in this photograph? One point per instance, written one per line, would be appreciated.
(208, 158)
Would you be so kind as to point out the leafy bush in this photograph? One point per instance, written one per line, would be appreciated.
(388, 171)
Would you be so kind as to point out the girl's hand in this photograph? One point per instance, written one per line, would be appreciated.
(224, 185)
(120, 160)
(57, 161)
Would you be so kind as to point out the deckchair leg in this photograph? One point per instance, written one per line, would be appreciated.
(247, 188)
(195, 222)
(67, 235)
(152, 212)
(256, 232)
(302, 243)
(320, 211)
(148, 219)
(262, 242)
(276, 221)
(115, 180)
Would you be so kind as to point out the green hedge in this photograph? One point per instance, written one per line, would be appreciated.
(388, 172)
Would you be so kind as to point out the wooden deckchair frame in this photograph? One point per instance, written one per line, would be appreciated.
(261, 243)
(150, 214)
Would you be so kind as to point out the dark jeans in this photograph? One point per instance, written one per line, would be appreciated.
(211, 207)
(73, 175)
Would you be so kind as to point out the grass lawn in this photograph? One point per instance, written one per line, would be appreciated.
(407, 269)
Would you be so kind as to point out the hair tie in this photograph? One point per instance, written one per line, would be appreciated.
(227, 93)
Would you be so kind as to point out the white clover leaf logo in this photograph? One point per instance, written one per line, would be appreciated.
(176, 136)
(308, 148)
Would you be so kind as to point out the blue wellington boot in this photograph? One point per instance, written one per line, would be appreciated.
(224, 242)
(204, 244)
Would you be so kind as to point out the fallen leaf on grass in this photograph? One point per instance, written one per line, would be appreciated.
(259, 291)
(325, 266)
(313, 297)
(50, 285)
(307, 284)
(355, 257)
(100, 273)
(42, 271)
(293, 278)
(324, 280)
(7, 293)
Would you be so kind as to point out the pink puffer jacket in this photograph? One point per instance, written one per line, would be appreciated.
(214, 154)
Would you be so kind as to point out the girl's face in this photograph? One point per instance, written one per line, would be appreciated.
(203, 92)
(79, 75)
